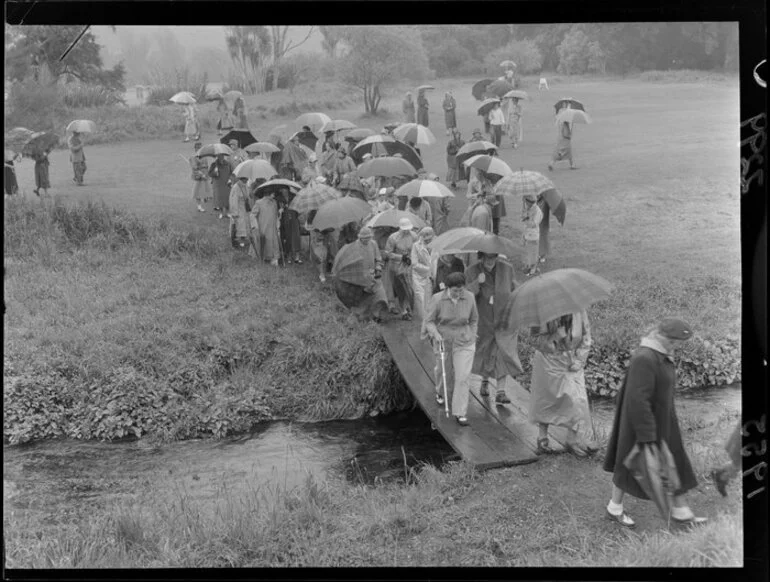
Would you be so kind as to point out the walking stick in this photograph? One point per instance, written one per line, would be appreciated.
(442, 352)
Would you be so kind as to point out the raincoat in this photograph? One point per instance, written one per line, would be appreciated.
(42, 179)
(531, 234)
(239, 213)
(399, 244)
(449, 105)
(496, 348)
(515, 131)
(201, 190)
(422, 109)
(365, 298)
(455, 170)
(77, 157)
(563, 149)
(191, 128)
(293, 161)
(265, 213)
(220, 172)
(290, 232)
(11, 184)
(423, 267)
(439, 210)
(424, 212)
(645, 412)
(407, 108)
(445, 265)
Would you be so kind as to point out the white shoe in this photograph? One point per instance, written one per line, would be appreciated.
(201, 209)
(274, 262)
(322, 278)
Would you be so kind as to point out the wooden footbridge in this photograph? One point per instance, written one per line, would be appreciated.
(497, 436)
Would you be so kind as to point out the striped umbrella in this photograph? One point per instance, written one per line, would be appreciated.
(336, 213)
(388, 167)
(553, 294)
(475, 148)
(392, 217)
(489, 164)
(254, 170)
(349, 266)
(424, 189)
(313, 196)
(183, 98)
(452, 239)
(315, 121)
(262, 147)
(385, 145)
(414, 133)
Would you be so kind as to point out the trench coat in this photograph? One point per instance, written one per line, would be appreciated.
(265, 213)
(239, 214)
(497, 350)
(220, 174)
(645, 412)
(422, 110)
(201, 190)
(449, 105)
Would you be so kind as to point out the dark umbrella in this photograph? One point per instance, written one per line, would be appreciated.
(499, 88)
(389, 148)
(306, 138)
(242, 136)
(40, 142)
(276, 184)
(569, 102)
(655, 471)
(480, 87)
(487, 105)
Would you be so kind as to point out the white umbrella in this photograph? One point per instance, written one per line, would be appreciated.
(254, 169)
(424, 189)
(81, 126)
(183, 98)
(414, 133)
(315, 121)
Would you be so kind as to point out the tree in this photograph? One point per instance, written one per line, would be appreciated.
(33, 46)
(524, 53)
(281, 46)
(332, 35)
(379, 55)
(249, 48)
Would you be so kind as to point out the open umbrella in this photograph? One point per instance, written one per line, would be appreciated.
(351, 181)
(349, 267)
(336, 213)
(81, 126)
(10, 155)
(315, 121)
(479, 88)
(391, 125)
(242, 136)
(508, 65)
(214, 149)
(278, 130)
(487, 105)
(475, 148)
(232, 96)
(215, 95)
(424, 88)
(572, 116)
(450, 240)
(183, 98)
(489, 164)
(17, 137)
(40, 142)
(313, 197)
(262, 147)
(387, 167)
(263, 189)
(523, 183)
(306, 138)
(254, 170)
(486, 243)
(337, 125)
(570, 103)
(553, 294)
(424, 189)
(385, 145)
(392, 217)
(498, 88)
(654, 470)
(516, 94)
(359, 134)
(414, 133)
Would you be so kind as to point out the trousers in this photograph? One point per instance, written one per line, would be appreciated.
(458, 363)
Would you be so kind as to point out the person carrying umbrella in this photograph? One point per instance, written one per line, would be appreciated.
(450, 118)
(645, 418)
(239, 112)
(398, 251)
(226, 122)
(423, 266)
(421, 209)
(422, 108)
(381, 204)
(407, 108)
(220, 172)
(11, 184)
(77, 157)
(343, 165)
(496, 123)
(481, 213)
(293, 160)
(42, 176)
(201, 191)
(265, 213)
(290, 231)
(515, 131)
(491, 281)
(323, 245)
(239, 204)
(531, 216)
(563, 149)
(191, 125)
(452, 319)
(454, 168)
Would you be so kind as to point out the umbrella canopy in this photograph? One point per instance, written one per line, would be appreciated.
(553, 294)
(313, 197)
(40, 142)
(572, 116)
(215, 95)
(337, 125)
(242, 136)
(278, 130)
(315, 121)
(508, 64)
(516, 94)
(183, 98)
(487, 105)
(360, 134)
(336, 213)
(451, 240)
(349, 267)
(214, 149)
(351, 181)
(425, 88)
(499, 88)
(388, 167)
(10, 155)
(392, 217)
(570, 103)
(475, 148)
(262, 147)
(489, 164)
(232, 96)
(556, 203)
(479, 88)
(17, 137)
(254, 170)
(81, 126)
(263, 189)
(414, 133)
(306, 138)
(485, 242)
(523, 183)
(424, 189)
(385, 145)
(655, 471)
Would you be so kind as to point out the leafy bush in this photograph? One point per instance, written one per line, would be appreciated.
(524, 53)
(683, 76)
(578, 53)
(75, 95)
(34, 105)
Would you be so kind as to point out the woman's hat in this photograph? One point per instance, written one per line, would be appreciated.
(382, 192)
(405, 224)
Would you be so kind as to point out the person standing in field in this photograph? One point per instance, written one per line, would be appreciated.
(240, 206)
(343, 165)
(515, 130)
(77, 157)
(454, 170)
(42, 179)
(496, 122)
(265, 213)
(423, 260)
(450, 106)
(481, 213)
(645, 416)
(407, 108)
(422, 109)
(398, 250)
(563, 149)
(558, 391)
(191, 126)
(226, 122)
(452, 318)
(290, 235)
(531, 216)
(495, 201)
(491, 281)
(11, 183)
(323, 246)
(239, 112)
(201, 192)
(220, 172)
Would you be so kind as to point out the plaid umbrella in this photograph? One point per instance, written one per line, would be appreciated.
(489, 164)
(654, 469)
(414, 133)
(214, 149)
(262, 147)
(385, 145)
(336, 213)
(523, 183)
(254, 170)
(487, 105)
(40, 142)
(479, 88)
(553, 294)
(391, 218)
(475, 148)
(183, 98)
(81, 126)
(313, 196)
(424, 189)
(569, 102)
(242, 136)
(386, 166)
(337, 125)
(498, 88)
(484, 242)
(572, 116)
(315, 121)
(453, 238)
(17, 137)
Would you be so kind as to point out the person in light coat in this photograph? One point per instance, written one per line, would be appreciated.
(240, 224)
(423, 266)
(265, 217)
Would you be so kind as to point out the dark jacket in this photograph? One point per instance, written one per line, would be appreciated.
(645, 413)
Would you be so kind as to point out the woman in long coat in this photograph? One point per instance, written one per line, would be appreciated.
(201, 191)
(323, 246)
(563, 149)
(398, 249)
(454, 168)
(220, 172)
(365, 297)
(226, 122)
(450, 118)
(558, 391)
(42, 180)
(407, 108)
(423, 260)
(191, 126)
(265, 213)
(290, 235)
(11, 184)
(239, 213)
(645, 414)
(515, 131)
(497, 354)
(422, 109)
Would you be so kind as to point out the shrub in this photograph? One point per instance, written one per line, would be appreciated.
(75, 95)
(684, 76)
(34, 105)
(524, 53)
(579, 54)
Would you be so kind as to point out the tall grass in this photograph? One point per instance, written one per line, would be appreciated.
(76, 96)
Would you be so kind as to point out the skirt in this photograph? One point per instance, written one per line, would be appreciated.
(41, 176)
(201, 190)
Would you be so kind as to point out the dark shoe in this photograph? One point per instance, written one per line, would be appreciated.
(501, 398)
(484, 388)
(439, 400)
(720, 481)
(550, 167)
(461, 420)
(623, 519)
(36, 191)
(576, 450)
(543, 447)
